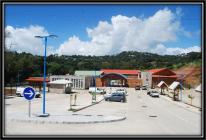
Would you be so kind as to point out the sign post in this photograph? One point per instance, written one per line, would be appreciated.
(29, 94)
(29, 108)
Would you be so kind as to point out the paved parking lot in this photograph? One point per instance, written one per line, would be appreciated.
(144, 116)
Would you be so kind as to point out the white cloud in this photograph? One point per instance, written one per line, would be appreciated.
(122, 33)
(23, 40)
(161, 49)
(129, 33)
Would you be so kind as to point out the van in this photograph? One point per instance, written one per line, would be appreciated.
(20, 92)
(98, 90)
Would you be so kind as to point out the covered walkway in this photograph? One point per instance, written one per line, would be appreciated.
(37, 82)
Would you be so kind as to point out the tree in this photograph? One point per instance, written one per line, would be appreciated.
(191, 97)
(32, 65)
(54, 68)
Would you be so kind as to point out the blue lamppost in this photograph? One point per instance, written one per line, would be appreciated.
(95, 86)
(44, 83)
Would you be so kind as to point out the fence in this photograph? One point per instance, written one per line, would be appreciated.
(10, 88)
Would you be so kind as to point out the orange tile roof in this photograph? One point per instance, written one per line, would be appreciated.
(156, 70)
(171, 76)
(37, 79)
(120, 71)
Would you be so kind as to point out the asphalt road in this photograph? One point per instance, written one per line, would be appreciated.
(146, 116)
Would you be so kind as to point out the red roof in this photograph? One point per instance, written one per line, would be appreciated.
(37, 79)
(156, 70)
(129, 72)
(171, 76)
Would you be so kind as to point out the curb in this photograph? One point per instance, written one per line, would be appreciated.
(179, 103)
(166, 95)
(87, 106)
(192, 105)
(65, 122)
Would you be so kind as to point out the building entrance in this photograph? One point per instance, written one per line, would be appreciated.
(114, 80)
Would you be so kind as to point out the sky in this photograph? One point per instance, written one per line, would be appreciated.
(104, 29)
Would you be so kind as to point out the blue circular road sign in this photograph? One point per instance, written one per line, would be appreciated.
(29, 93)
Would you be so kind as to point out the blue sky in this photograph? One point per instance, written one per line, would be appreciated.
(67, 21)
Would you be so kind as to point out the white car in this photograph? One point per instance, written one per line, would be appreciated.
(97, 90)
(154, 93)
(20, 92)
(107, 95)
(122, 91)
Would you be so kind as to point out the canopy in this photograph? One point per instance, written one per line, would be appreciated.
(37, 79)
(162, 83)
(198, 88)
(60, 82)
(174, 85)
(114, 74)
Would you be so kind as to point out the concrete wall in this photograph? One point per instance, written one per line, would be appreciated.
(57, 88)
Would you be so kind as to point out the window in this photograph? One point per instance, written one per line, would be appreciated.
(81, 83)
(76, 82)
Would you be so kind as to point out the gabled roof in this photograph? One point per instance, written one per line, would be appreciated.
(174, 85)
(198, 88)
(120, 71)
(155, 71)
(87, 73)
(162, 83)
(37, 79)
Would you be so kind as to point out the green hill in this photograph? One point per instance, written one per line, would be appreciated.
(31, 65)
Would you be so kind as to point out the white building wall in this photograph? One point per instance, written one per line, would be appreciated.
(146, 78)
(78, 82)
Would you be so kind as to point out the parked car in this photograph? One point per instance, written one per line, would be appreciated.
(144, 88)
(137, 88)
(117, 97)
(122, 91)
(107, 95)
(98, 90)
(153, 93)
(20, 92)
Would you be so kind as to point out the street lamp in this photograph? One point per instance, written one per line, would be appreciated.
(19, 71)
(95, 86)
(44, 84)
